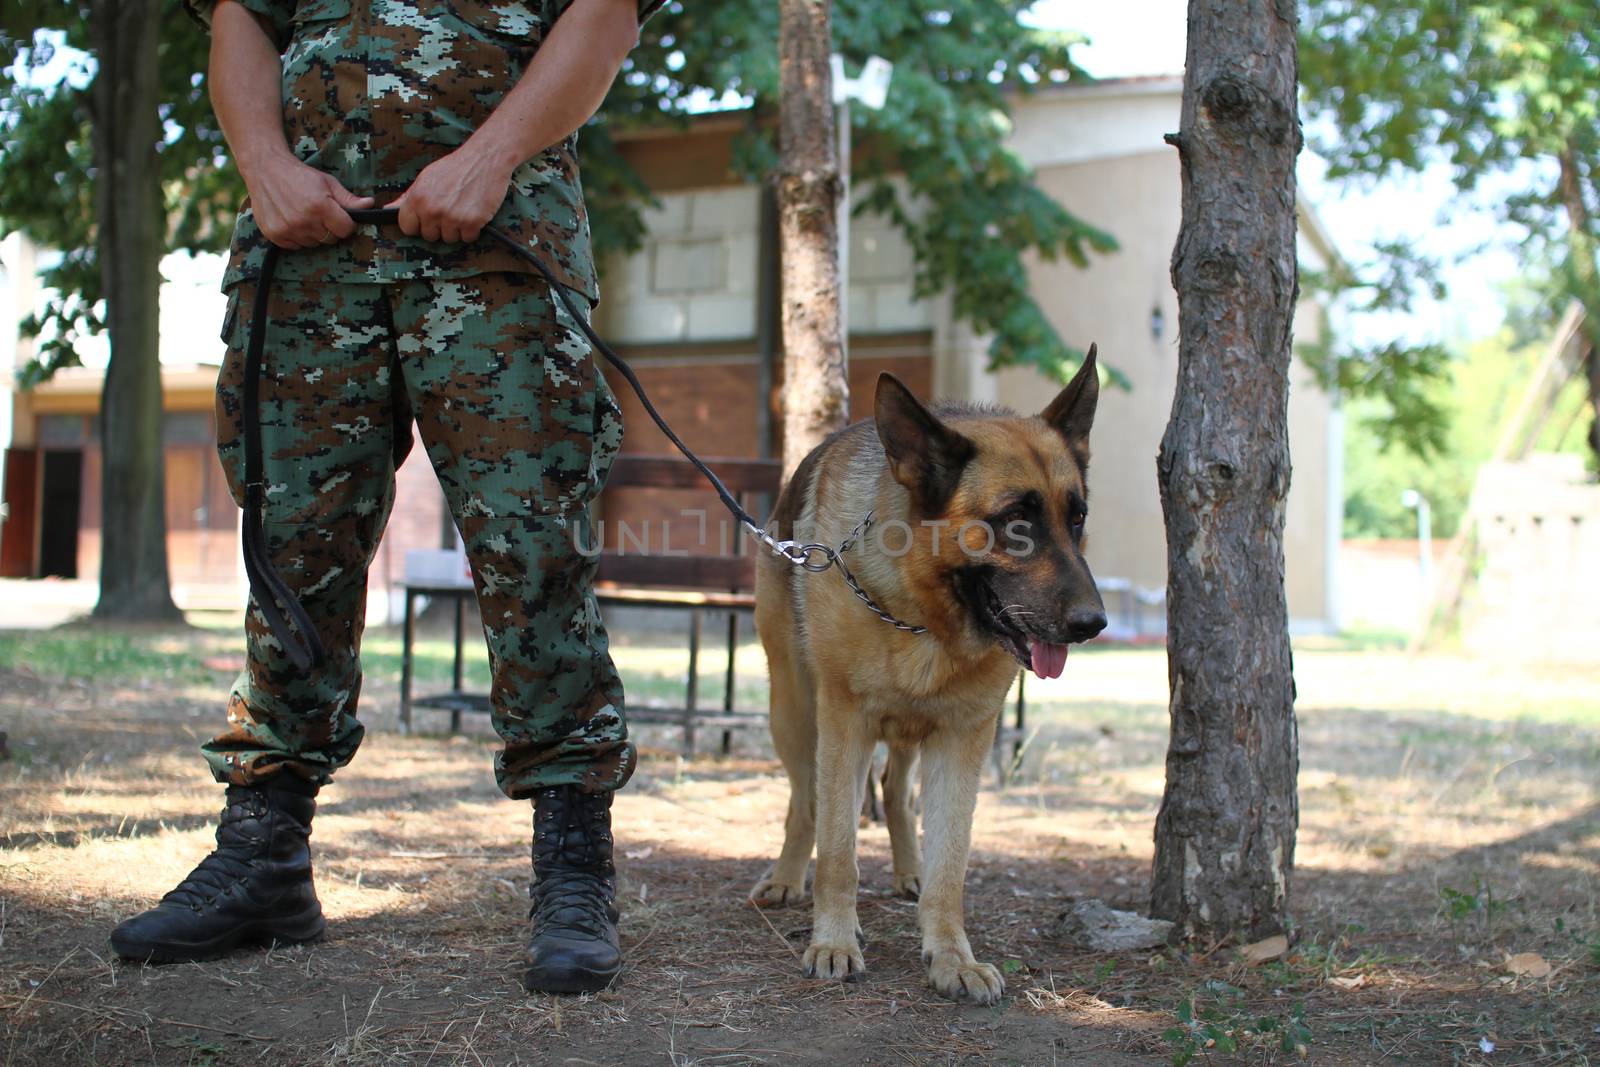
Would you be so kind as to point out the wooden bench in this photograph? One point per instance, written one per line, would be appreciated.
(692, 581)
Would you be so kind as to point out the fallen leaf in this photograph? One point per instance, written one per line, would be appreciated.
(1270, 948)
(1349, 983)
(1528, 965)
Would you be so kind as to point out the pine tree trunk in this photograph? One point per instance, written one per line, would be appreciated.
(816, 397)
(127, 128)
(1226, 830)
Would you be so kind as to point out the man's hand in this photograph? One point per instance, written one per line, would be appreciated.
(454, 197)
(298, 206)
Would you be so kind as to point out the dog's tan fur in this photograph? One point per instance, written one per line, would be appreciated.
(842, 679)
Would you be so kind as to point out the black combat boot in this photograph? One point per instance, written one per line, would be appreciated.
(255, 888)
(574, 947)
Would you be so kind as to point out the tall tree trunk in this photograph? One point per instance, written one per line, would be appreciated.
(1225, 833)
(1585, 279)
(127, 128)
(816, 395)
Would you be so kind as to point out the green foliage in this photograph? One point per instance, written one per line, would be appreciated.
(1479, 907)
(1399, 375)
(48, 173)
(1484, 83)
(1216, 1018)
(1474, 395)
(972, 214)
(1494, 87)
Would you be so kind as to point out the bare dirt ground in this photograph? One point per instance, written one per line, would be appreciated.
(1450, 823)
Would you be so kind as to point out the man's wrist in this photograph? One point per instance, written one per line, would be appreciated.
(494, 152)
(255, 160)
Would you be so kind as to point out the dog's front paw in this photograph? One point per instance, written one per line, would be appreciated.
(839, 962)
(771, 893)
(958, 976)
(908, 885)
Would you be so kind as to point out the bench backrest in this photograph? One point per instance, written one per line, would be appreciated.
(690, 567)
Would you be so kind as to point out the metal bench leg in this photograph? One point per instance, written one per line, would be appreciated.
(1003, 763)
(727, 692)
(691, 696)
(408, 631)
(455, 712)
(1022, 713)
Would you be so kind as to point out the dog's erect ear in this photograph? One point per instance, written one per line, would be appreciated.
(1072, 411)
(925, 455)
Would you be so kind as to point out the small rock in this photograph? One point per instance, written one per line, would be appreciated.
(1094, 924)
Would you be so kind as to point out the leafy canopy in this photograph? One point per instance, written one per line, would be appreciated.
(1492, 87)
(957, 62)
(48, 173)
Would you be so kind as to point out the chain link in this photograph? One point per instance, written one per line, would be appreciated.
(806, 555)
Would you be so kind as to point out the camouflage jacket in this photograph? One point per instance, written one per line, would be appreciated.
(375, 90)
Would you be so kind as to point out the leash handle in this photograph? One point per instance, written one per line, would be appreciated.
(276, 602)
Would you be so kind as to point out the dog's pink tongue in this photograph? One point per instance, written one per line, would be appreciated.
(1048, 660)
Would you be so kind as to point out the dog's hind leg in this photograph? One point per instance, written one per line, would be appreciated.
(899, 812)
(794, 735)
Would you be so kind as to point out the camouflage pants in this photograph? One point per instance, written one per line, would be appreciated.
(521, 430)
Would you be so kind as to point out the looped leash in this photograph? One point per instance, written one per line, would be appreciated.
(279, 605)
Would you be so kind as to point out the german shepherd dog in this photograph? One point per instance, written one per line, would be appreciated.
(977, 536)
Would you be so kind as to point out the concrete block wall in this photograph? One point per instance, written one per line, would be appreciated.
(695, 277)
(1537, 562)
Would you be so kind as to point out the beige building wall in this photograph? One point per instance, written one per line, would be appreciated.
(1126, 304)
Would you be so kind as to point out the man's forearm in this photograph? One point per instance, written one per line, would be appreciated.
(246, 90)
(564, 85)
(295, 206)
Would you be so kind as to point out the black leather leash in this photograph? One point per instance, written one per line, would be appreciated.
(281, 607)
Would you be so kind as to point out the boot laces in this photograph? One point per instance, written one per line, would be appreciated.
(572, 901)
(572, 892)
(229, 862)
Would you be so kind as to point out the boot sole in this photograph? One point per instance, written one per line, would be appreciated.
(299, 929)
(538, 981)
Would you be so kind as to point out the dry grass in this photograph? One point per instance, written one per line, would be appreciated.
(1418, 777)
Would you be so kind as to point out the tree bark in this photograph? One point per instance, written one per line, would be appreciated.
(1226, 830)
(815, 396)
(134, 581)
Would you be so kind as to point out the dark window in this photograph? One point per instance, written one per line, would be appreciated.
(61, 431)
(186, 428)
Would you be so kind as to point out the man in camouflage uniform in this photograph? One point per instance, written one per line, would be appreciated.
(458, 113)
